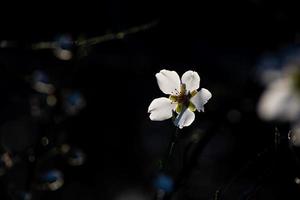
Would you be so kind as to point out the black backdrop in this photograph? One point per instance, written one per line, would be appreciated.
(223, 41)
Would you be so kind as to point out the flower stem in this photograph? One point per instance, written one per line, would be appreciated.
(161, 194)
(171, 149)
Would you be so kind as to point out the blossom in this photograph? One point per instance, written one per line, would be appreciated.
(281, 100)
(183, 99)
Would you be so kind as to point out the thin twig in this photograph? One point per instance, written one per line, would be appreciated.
(98, 39)
(116, 36)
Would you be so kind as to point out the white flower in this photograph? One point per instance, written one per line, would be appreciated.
(184, 98)
(281, 100)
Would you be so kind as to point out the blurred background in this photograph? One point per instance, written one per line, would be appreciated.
(76, 83)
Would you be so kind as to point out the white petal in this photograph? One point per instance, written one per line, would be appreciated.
(201, 98)
(184, 118)
(191, 80)
(161, 109)
(279, 102)
(168, 81)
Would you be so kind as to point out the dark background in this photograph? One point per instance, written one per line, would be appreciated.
(222, 41)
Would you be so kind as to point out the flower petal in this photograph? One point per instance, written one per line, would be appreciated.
(279, 102)
(161, 109)
(191, 79)
(168, 81)
(184, 118)
(201, 98)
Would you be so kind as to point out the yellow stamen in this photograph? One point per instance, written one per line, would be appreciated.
(193, 93)
(173, 98)
(192, 107)
(179, 107)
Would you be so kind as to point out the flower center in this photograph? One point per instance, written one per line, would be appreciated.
(182, 98)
